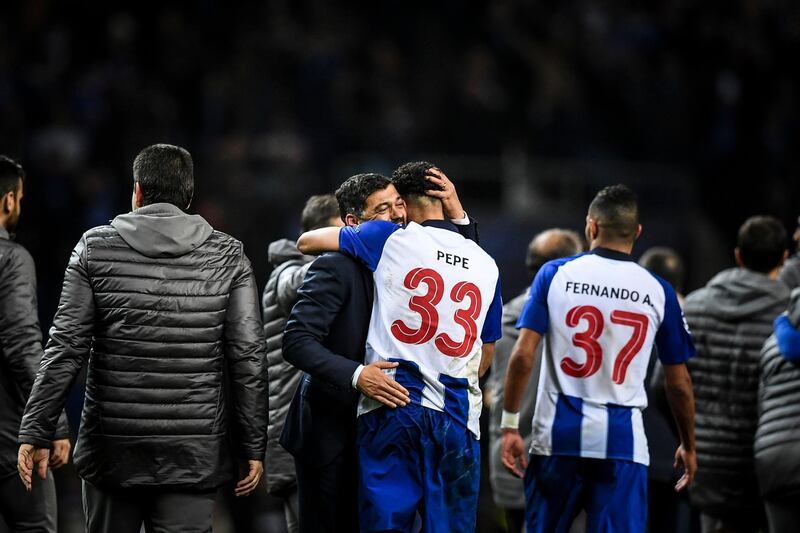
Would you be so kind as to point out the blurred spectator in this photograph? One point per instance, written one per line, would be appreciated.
(280, 295)
(777, 454)
(730, 318)
(790, 273)
(668, 511)
(507, 489)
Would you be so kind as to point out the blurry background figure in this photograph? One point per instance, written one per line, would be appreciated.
(20, 354)
(777, 453)
(730, 318)
(669, 511)
(790, 273)
(508, 490)
(280, 295)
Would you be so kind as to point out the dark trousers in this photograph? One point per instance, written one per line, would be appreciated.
(33, 511)
(783, 514)
(161, 511)
(328, 495)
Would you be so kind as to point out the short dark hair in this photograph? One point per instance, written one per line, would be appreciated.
(665, 263)
(353, 193)
(551, 244)
(10, 174)
(410, 179)
(165, 173)
(616, 210)
(762, 243)
(318, 212)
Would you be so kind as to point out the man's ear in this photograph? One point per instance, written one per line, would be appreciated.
(638, 232)
(138, 195)
(7, 202)
(737, 254)
(351, 220)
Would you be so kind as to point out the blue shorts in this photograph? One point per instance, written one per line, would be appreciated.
(612, 492)
(417, 461)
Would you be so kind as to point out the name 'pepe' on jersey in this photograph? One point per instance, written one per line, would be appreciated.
(437, 301)
(600, 315)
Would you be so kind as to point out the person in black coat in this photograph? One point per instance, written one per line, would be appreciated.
(20, 353)
(165, 311)
(326, 338)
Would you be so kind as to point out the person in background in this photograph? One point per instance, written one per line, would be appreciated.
(165, 310)
(289, 268)
(668, 511)
(730, 318)
(777, 455)
(20, 353)
(790, 273)
(508, 490)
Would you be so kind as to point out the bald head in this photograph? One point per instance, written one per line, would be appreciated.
(665, 263)
(552, 244)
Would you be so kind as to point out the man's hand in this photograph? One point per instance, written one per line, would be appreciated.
(688, 461)
(59, 455)
(252, 472)
(29, 458)
(451, 205)
(513, 449)
(375, 384)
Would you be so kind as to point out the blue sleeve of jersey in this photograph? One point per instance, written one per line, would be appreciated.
(366, 241)
(535, 314)
(788, 339)
(673, 340)
(493, 325)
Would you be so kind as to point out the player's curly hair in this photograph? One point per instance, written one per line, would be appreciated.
(353, 193)
(410, 179)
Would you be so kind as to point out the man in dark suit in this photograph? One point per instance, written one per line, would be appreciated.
(326, 338)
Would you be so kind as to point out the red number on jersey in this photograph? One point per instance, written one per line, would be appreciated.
(639, 324)
(466, 318)
(587, 340)
(424, 305)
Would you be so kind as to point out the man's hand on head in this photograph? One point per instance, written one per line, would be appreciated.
(446, 192)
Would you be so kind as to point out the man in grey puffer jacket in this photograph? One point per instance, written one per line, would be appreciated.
(165, 311)
(730, 318)
(280, 294)
(776, 451)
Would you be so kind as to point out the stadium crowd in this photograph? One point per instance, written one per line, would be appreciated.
(279, 102)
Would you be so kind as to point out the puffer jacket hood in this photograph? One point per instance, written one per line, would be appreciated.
(162, 230)
(284, 250)
(738, 293)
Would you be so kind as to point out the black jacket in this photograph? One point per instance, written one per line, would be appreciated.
(776, 444)
(730, 318)
(165, 309)
(20, 347)
(280, 294)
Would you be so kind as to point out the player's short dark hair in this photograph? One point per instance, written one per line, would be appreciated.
(353, 193)
(318, 212)
(762, 243)
(665, 263)
(616, 210)
(165, 174)
(10, 174)
(566, 243)
(411, 181)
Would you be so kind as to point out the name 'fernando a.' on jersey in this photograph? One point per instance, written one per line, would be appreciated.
(619, 293)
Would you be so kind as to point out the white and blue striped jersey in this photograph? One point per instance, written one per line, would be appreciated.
(437, 300)
(599, 314)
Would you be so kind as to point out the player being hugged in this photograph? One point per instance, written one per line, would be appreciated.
(600, 315)
(436, 316)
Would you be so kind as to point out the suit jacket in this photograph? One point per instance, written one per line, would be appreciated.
(326, 337)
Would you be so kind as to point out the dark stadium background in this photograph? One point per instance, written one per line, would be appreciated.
(530, 107)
